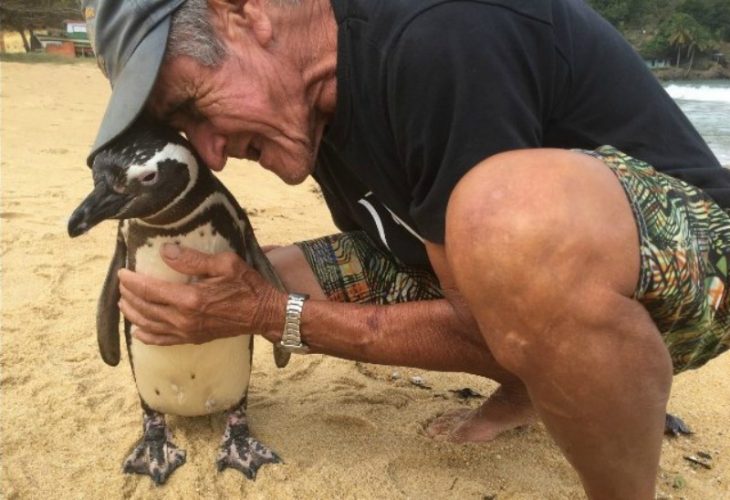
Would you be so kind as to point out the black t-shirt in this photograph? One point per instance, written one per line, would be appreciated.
(429, 88)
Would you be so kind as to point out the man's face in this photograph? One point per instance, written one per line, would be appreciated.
(251, 106)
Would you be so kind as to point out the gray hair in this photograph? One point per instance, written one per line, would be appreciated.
(192, 35)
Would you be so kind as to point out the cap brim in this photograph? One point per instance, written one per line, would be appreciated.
(132, 87)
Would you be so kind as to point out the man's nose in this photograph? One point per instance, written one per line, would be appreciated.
(209, 145)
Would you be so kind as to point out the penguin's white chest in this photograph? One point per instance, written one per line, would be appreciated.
(189, 379)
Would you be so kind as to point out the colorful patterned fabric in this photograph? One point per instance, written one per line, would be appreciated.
(350, 267)
(685, 248)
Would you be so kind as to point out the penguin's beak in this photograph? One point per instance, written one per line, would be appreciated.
(103, 203)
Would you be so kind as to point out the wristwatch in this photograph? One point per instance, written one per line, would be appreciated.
(291, 339)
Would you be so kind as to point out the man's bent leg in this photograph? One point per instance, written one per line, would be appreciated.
(295, 273)
(546, 253)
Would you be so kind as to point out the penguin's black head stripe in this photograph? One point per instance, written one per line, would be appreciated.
(140, 143)
(150, 165)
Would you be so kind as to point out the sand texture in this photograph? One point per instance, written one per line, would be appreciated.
(344, 429)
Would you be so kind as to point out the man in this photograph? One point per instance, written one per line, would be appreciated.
(460, 147)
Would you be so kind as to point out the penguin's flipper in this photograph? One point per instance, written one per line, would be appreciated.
(257, 259)
(239, 450)
(107, 312)
(155, 454)
(281, 357)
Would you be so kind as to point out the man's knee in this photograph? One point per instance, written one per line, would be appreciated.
(529, 235)
(505, 197)
(504, 223)
(555, 214)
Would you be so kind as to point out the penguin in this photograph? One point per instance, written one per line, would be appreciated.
(156, 185)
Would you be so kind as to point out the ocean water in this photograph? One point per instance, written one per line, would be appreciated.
(707, 105)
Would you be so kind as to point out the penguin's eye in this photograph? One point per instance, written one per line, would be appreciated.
(148, 179)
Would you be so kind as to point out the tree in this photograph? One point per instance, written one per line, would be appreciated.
(701, 41)
(713, 14)
(27, 15)
(681, 32)
(622, 13)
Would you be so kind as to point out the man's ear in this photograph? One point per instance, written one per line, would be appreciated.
(237, 15)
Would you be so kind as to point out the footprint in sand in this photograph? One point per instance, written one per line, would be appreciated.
(450, 479)
(11, 380)
(55, 151)
(347, 384)
(307, 370)
(389, 397)
(349, 422)
(12, 215)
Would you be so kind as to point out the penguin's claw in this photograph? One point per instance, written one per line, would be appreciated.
(246, 455)
(155, 455)
(239, 450)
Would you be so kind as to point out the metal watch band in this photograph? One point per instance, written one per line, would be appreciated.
(291, 338)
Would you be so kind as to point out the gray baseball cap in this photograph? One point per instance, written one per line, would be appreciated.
(129, 39)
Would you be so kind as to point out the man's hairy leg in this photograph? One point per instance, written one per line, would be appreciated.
(508, 407)
(546, 255)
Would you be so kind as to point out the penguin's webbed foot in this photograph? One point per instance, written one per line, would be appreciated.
(155, 455)
(239, 450)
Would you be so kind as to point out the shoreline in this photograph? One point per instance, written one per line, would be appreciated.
(715, 72)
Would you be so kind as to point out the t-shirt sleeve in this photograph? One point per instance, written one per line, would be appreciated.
(463, 83)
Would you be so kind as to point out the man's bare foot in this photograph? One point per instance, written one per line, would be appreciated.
(504, 410)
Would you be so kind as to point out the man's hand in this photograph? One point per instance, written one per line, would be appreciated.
(228, 298)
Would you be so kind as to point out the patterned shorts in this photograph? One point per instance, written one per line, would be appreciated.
(685, 249)
(350, 267)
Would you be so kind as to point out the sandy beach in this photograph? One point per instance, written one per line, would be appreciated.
(343, 429)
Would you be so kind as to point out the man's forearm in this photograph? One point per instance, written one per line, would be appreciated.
(433, 334)
(424, 334)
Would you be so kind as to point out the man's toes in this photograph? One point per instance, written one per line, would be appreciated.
(474, 430)
(480, 425)
(442, 425)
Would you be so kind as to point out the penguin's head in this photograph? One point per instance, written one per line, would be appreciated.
(137, 176)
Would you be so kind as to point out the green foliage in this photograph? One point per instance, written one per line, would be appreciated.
(27, 15)
(677, 28)
(38, 13)
(624, 13)
(681, 32)
(712, 14)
